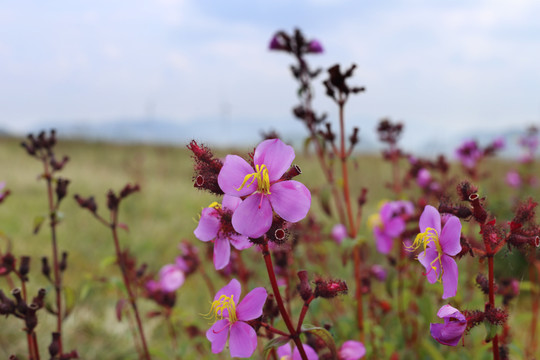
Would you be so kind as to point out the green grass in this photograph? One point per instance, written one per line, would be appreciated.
(159, 217)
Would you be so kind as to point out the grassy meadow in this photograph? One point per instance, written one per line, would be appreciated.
(162, 214)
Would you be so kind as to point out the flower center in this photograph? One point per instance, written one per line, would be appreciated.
(263, 181)
(374, 221)
(222, 308)
(429, 236)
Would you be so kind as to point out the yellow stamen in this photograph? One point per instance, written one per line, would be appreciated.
(374, 221)
(215, 205)
(429, 236)
(263, 181)
(219, 306)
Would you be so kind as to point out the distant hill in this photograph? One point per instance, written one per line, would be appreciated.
(420, 140)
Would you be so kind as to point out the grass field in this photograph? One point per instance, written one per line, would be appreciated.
(159, 217)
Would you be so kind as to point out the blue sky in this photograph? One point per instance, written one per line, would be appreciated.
(457, 66)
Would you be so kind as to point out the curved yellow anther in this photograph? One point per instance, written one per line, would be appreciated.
(215, 205)
(429, 236)
(219, 306)
(263, 180)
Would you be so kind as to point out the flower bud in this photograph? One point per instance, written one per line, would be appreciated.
(54, 347)
(24, 267)
(61, 188)
(45, 268)
(63, 262)
(304, 288)
(330, 288)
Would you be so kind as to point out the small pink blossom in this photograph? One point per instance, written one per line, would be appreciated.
(469, 153)
(351, 350)
(339, 232)
(284, 352)
(389, 223)
(231, 315)
(423, 178)
(215, 224)
(263, 188)
(171, 277)
(513, 179)
(450, 332)
(439, 249)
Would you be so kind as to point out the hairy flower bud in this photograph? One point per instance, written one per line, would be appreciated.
(330, 288)
(304, 288)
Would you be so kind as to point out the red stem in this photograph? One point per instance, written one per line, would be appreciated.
(495, 341)
(56, 267)
(272, 276)
(534, 277)
(36, 348)
(128, 284)
(303, 313)
(352, 226)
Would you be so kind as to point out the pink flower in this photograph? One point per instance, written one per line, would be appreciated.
(439, 247)
(453, 328)
(339, 232)
(314, 46)
(171, 277)
(469, 153)
(284, 353)
(423, 178)
(264, 188)
(215, 223)
(352, 350)
(513, 179)
(231, 316)
(389, 223)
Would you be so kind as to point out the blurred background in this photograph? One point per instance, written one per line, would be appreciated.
(172, 70)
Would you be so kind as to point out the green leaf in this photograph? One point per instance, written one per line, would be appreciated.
(69, 298)
(324, 335)
(274, 343)
(491, 330)
(38, 221)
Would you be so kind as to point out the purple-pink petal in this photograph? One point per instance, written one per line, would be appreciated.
(450, 311)
(222, 252)
(426, 258)
(240, 242)
(394, 226)
(208, 226)
(276, 155)
(230, 202)
(232, 175)
(384, 242)
(218, 334)
(339, 232)
(284, 351)
(450, 236)
(233, 288)
(310, 353)
(253, 217)
(171, 278)
(252, 304)
(290, 199)
(453, 328)
(352, 350)
(430, 218)
(449, 277)
(243, 340)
